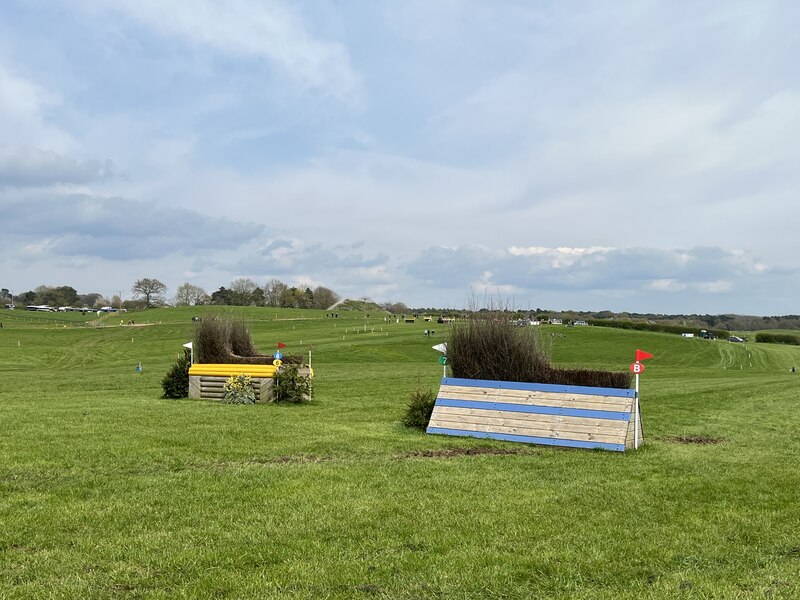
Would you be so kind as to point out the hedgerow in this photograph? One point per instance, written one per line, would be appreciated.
(656, 327)
(778, 338)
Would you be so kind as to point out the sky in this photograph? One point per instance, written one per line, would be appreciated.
(633, 156)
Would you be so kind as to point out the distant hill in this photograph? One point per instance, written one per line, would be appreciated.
(359, 306)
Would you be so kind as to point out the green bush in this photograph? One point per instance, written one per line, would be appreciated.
(176, 381)
(419, 409)
(777, 338)
(290, 385)
(656, 327)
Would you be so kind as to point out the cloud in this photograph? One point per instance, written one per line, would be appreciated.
(246, 30)
(23, 109)
(115, 229)
(282, 257)
(704, 270)
(34, 167)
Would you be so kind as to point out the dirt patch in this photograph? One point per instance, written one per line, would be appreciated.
(702, 440)
(297, 459)
(455, 452)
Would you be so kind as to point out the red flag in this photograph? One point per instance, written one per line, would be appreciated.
(282, 345)
(642, 355)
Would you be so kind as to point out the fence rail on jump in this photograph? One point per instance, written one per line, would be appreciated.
(536, 413)
(207, 381)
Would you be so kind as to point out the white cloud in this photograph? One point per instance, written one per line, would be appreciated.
(707, 270)
(23, 108)
(247, 29)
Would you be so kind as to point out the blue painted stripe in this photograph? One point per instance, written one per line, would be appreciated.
(528, 439)
(540, 387)
(540, 410)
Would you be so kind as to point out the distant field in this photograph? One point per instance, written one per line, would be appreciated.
(110, 491)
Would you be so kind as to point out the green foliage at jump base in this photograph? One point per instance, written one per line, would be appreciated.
(176, 382)
(291, 386)
(420, 408)
(239, 390)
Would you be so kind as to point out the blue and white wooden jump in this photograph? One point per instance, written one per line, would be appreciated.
(536, 413)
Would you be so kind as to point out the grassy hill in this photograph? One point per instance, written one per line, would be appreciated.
(110, 491)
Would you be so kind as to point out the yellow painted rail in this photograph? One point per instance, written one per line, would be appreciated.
(221, 370)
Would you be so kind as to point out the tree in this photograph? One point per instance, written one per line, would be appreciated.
(190, 295)
(88, 299)
(150, 290)
(245, 291)
(273, 292)
(324, 297)
(292, 298)
(396, 308)
(222, 296)
(44, 294)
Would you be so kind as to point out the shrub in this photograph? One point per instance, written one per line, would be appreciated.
(176, 381)
(240, 341)
(290, 385)
(239, 390)
(419, 409)
(488, 346)
(777, 338)
(224, 340)
(589, 377)
(656, 327)
(211, 341)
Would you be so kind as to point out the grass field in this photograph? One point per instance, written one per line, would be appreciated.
(109, 491)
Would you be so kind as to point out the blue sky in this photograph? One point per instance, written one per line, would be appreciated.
(636, 156)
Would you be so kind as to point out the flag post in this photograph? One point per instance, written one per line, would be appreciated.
(637, 368)
(636, 413)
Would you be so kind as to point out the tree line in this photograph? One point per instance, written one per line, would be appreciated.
(149, 292)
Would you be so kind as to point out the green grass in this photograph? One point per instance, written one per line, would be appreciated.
(110, 491)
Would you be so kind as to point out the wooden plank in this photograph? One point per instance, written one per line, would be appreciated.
(529, 394)
(552, 424)
(228, 370)
(523, 395)
(541, 399)
(541, 387)
(631, 440)
(531, 398)
(583, 406)
(194, 387)
(501, 414)
(531, 431)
